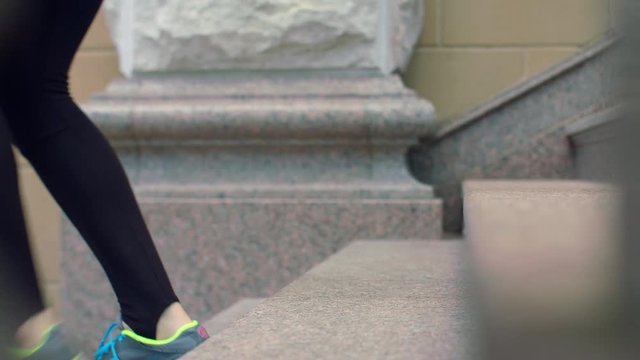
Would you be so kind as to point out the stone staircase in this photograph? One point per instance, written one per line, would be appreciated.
(523, 133)
(372, 300)
(390, 297)
(542, 255)
(410, 299)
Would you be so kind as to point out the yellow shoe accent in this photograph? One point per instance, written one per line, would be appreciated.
(152, 342)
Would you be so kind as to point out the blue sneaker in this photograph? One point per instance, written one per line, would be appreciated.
(53, 346)
(128, 345)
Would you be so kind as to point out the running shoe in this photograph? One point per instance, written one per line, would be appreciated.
(127, 345)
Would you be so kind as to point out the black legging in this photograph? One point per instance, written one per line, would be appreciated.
(75, 162)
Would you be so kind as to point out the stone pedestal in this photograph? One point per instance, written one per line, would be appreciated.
(249, 177)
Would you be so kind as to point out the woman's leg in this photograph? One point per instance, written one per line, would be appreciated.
(82, 171)
(20, 297)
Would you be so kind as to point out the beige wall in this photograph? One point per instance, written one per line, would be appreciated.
(94, 67)
(472, 49)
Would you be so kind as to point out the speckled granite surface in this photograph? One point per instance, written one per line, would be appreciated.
(247, 181)
(229, 316)
(373, 300)
(218, 251)
(519, 135)
(268, 128)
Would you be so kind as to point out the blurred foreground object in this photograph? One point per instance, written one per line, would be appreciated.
(548, 261)
(628, 74)
(13, 26)
(628, 150)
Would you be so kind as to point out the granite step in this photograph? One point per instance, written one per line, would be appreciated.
(372, 300)
(227, 317)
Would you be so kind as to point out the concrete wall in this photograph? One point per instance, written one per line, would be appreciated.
(470, 51)
(473, 49)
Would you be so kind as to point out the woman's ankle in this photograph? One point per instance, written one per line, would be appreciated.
(30, 333)
(171, 320)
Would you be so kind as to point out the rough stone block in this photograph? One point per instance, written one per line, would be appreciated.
(177, 35)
